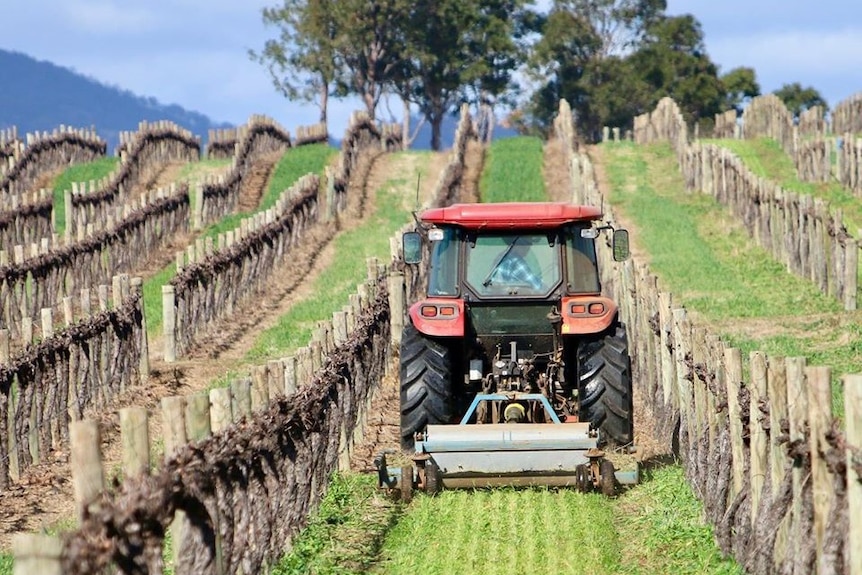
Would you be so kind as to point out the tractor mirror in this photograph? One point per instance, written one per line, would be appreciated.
(411, 246)
(621, 245)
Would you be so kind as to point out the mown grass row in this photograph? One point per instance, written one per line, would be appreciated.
(705, 257)
(655, 527)
(766, 158)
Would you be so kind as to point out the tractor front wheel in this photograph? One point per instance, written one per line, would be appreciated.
(426, 384)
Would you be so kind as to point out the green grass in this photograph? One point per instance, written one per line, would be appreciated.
(513, 171)
(660, 523)
(345, 533)
(707, 260)
(95, 170)
(765, 158)
(505, 531)
(654, 527)
(332, 289)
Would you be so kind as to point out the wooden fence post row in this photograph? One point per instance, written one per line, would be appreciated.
(799, 231)
(747, 431)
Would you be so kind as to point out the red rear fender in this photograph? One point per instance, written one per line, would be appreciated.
(587, 314)
(439, 317)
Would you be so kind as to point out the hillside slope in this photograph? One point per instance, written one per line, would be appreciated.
(39, 95)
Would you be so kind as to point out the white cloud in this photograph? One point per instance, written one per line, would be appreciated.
(824, 59)
(110, 18)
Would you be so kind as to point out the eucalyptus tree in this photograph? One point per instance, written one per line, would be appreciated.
(798, 99)
(302, 59)
(459, 51)
(741, 86)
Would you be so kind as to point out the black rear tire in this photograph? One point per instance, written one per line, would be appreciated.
(426, 384)
(605, 387)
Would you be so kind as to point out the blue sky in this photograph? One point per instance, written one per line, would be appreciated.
(193, 52)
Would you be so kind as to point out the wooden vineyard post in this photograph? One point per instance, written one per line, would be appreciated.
(758, 451)
(137, 286)
(88, 478)
(667, 366)
(135, 437)
(777, 385)
(797, 406)
(853, 421)
(396, 307)
(70, 217)
(36, 554)
(169, 319)
(733, 366)
(174, 429)
(198, 209)
(240, 390)
(259, 388)
(197, 414)
(819, 419)
(221, 413)
(290, 367)
(851, 270)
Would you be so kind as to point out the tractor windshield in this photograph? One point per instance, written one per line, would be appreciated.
(513, 264)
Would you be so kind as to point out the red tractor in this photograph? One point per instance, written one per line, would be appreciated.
(515, 336)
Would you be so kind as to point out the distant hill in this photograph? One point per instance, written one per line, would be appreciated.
(39, 95)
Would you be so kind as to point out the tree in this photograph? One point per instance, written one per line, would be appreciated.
(798, 99)
(334, 47)
(741, 86)
(584, 55)
(673, 62)
(301, 61)
(370, 45)
(457, 50)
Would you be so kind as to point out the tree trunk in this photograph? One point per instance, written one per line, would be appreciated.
(370, 104)
(405, 125)
(436, 125)
(324, 102)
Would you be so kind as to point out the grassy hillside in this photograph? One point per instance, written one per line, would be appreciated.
(705, 257)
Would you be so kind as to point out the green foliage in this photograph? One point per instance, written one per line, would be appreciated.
(5, 564)
(798, 99)
(433, 54)
(90, 171)
(662, 523)
(301, 62)
(740, 85)
(345, 533)
(513, 171)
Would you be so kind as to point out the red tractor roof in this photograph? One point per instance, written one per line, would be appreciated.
(511, 215)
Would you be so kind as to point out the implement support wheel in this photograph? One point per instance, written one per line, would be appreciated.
(406, 484)
(608, 481)
(582, 479)
(433, 482)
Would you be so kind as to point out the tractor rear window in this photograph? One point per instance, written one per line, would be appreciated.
(443, 275)
(500, 265)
